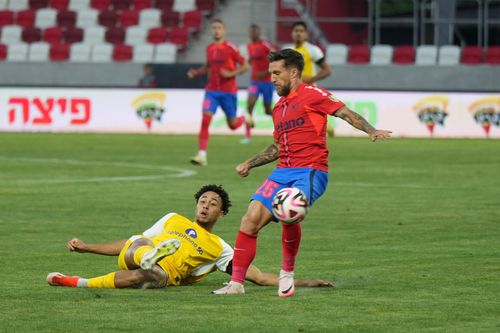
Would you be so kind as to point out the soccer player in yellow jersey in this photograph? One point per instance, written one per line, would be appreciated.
(174, 251)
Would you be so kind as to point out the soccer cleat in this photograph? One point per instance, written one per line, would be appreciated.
(58, 279)
(330, 131)
(286, 284)
(199, 160)
(232, 288)
(245, 141)
(162, 250)
(249, 121)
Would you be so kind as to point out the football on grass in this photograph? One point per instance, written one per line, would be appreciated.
(290, 205)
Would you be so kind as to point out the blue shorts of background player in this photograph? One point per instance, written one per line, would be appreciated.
(266, 89)
(227, 102)
(311, 181)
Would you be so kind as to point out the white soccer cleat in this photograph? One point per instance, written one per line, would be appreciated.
(162, 250)
(249, 121)
(199, 160)
(286, 284)
(232, 288)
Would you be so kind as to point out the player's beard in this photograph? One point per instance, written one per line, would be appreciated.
(284, 90)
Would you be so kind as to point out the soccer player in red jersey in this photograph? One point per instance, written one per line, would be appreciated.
(221, 66)
(260, 84)
(300, 145)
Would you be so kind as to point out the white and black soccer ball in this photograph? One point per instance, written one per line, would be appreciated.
(290, 205)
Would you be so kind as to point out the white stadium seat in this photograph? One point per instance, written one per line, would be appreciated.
(17, 5)
(78, 5)
(143, 53)
(17, 52)
(135, 35)
(336, 54)
(426, 55)
(449, 55)
(45, 17)
(94, 35)
(184, 5)
(39, 52)
(11, 34)
(381, 55)
(3, 4)
(87, 18)
(80, 52)
(150, 18)
(165, 53)
(101, 53)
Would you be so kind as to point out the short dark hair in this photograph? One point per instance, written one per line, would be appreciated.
(255, 26)
(302, 23)
(226, 203)
(291, 57)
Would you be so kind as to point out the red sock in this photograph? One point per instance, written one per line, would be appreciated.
(245, 248)
(239, 121)
(290, 242)
(248, 131)
(204, 135)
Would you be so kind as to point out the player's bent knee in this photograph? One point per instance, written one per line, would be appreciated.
(154, 278)
(129, 254)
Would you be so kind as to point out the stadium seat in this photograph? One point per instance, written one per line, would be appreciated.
(18, 5)
(6, 17)
(59, 52)
(192, 21)
(59, 4)
(158, 35)
(492, 56)
(73, 35)
(121, 5)
(142, 4)
(404, 55)
(3, 4)
(170, 19)
(448, 55)
(129, 18)
(37, 4)
(336, 54)
(66, 18)
(52, 35)
(26, 18)
(426, 55)
(80, 52)
(100, 5)
(149, 18)
(39, 52)
(182, 6)
(87, 18)
(143, 53)
(78, 5)
(359, 54)
(381, 55)
(17, 52)
(122, 53)
(164, 5)
(31, 35)
(107, 18)
(206, 6)
(135, 35)
(115, 35)
(180, 37)
(165, 53)
(101, 53)
(94, 35)
(11, 34)
(472, 55)
(3, 51)
(45, 18)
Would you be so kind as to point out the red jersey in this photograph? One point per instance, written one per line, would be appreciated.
(300, 127)
(219, 56)
(258, 52)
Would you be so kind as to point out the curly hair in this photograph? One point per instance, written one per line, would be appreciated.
(226, 202)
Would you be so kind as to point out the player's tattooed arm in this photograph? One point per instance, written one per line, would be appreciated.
(360, 123)
(268, 155)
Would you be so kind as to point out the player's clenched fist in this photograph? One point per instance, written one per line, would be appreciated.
(243, 169)
(76, 245)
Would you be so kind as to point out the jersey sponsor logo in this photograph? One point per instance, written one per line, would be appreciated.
(175, 233)
(288, 125)
(191, 232)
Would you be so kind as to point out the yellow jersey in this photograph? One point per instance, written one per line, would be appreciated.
(312, 55)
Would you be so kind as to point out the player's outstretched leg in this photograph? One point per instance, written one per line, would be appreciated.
(59, 279)
(162, 250)
(231, 288)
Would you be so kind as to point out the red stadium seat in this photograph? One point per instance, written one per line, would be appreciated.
(164, 5)
(404, 55)
(122, 52)
(73, 35)
(31, 35)
(158, 35)
(121, 5)
(6, 17)
(107, 19)
(170, 18)
(37, 4)
(359, 54)
(492, 55)
(66, 18)
(59, 4)
(472, 55)
(26, 18)
(52, 35)
(206, 6)
(142, 4)
(129, 18)
(100, 5)
(192, 21)
(115, 35)
(59, 52)
(3, 51)
(180, 37)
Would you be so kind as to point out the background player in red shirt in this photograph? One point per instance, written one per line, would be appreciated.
(299, 118)
(224, 63)
(260, 84)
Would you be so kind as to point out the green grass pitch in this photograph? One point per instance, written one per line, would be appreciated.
(408, 230)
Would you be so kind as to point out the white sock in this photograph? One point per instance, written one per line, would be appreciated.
(202, 153)
(82, 283)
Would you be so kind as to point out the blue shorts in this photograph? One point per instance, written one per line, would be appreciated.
(311, 181)
(265, 88)
(227, 101)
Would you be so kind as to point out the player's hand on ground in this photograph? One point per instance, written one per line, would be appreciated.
(380, 134)
(243, 169)
(77, 245)
(320, 283)
(226, 74)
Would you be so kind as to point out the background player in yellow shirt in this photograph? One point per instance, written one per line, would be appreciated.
(174, 251)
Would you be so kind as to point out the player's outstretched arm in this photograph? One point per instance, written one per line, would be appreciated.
(360, 123)
(268, 155)
(255, 275)
(194, 72)
(109, 248)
